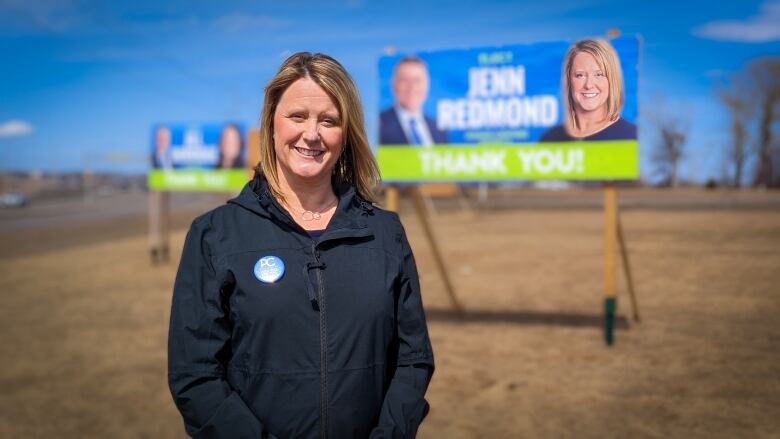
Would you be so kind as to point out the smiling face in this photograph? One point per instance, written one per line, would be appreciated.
(308, 134)
(589, 84)
(230, 145)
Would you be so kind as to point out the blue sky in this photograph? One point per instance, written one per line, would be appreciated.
(81, 82)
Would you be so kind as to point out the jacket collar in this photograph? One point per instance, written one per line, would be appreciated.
(348, 221)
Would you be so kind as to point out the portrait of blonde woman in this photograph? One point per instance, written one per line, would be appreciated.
(231, 147)
(593, 95)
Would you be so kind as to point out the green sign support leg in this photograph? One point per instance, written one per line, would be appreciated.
(610, 305)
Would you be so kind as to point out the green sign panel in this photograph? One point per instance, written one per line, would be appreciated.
(198, 180)
(602, 160)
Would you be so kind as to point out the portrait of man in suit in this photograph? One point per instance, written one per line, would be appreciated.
(405, 123)
(161, 152)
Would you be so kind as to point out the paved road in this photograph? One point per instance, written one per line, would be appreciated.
(49, 225)
(52, 212)
(54, 224)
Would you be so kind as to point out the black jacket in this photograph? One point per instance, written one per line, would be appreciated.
(337, 347)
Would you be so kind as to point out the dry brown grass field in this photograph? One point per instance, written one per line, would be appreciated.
(83, 327)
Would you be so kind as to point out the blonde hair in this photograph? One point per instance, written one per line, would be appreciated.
(608, 61)
(356, 165)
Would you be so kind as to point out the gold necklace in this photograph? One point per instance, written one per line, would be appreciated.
(310, 215)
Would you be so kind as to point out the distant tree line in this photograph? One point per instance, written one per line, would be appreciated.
(753, 100)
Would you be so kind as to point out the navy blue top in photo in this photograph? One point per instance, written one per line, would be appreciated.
(620, 130)
(315, 234)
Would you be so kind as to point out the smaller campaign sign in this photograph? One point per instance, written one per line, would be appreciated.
(198, 157)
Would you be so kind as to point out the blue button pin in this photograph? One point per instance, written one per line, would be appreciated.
(269, 269)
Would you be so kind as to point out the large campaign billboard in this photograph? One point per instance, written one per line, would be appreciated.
(198, 157)
(553, 110)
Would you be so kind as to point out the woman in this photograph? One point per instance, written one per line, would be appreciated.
(297, 309)
(231, 147)
(592, 83)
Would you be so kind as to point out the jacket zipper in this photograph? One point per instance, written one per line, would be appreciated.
(323, 349)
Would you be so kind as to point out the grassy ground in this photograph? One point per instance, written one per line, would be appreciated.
(83, 332)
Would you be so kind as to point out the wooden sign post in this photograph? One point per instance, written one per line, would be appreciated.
(610, 241)
(614, 238)
(159, 226)
(392, 203)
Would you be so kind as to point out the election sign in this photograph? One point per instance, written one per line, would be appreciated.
(198, 157)
(509, 113)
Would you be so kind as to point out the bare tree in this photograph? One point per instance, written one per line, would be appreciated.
(737, 150)
(671, 123)
(671, 136)
(669, 150)
(764, 75)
